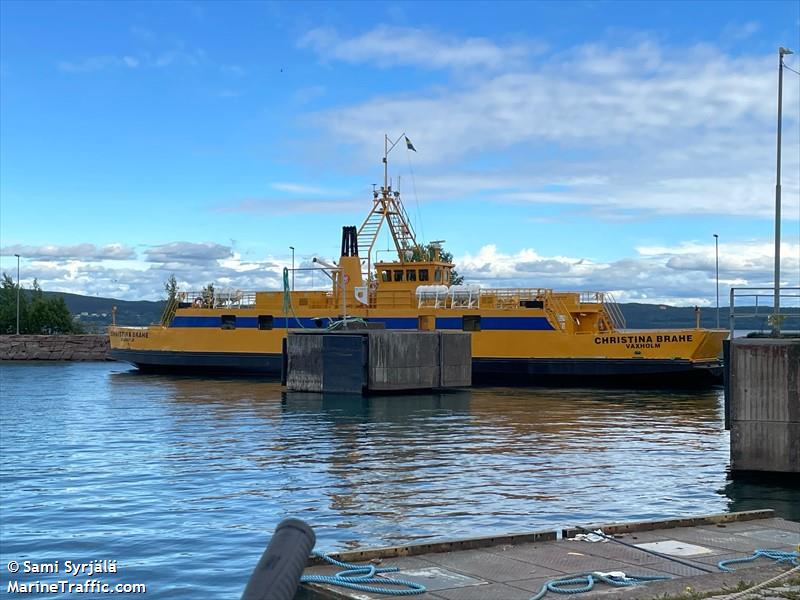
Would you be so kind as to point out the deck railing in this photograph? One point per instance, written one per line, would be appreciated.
(216, 299)
(758, 303)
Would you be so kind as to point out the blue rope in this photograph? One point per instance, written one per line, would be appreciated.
(358, 577)
(780, 556)
(586, 581)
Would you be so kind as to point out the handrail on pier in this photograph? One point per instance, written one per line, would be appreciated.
(751, 304)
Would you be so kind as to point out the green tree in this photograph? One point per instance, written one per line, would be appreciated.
(208, 295)
(171, 288)
(426, 252)
(8, 307)
(37, 314)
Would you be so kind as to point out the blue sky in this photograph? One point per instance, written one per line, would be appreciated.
(583, 145)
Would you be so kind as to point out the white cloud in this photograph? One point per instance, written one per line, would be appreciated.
(188, 253)
(145, 60)
(76, 252)
(388, 46)
(282, 206)
(301, 188)
(740, 31)
(649, 129)
(98, 63)
(683, 274)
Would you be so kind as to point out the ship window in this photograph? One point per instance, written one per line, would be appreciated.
(423, 274)
(265, 322)
(437, 275)
(471, 323)
(228, 321)
(398, 275)
(386, 275)
(411, 275)
(447, 274)
(531, 303)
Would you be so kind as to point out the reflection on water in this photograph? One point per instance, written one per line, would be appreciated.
(182, 479)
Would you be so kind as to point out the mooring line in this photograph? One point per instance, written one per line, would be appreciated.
(653, 552)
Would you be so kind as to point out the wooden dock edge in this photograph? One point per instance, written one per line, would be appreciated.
(368, 554)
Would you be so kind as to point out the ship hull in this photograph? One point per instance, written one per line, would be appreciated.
(201, 362)
(598, 371)
(527, 371)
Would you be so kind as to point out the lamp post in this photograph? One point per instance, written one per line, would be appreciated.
(716, 255)
(292, 249)
(776, 323)
(17, 255)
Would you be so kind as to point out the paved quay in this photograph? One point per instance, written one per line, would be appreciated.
(515, 567)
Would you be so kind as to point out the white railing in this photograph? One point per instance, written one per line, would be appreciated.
(224, 298)
(758, 303)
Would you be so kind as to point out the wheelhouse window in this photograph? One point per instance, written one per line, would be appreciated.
(411, 275)
(398, 275)
(228, 321)
(386, 275)
(423, 274)
(437, 275)
(265, 322)
(471, 323)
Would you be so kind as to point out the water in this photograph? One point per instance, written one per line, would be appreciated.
(182, 479)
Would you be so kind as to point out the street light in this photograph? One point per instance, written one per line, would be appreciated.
(292, 249)
(17, 255)
(776, 323)
(716, 254)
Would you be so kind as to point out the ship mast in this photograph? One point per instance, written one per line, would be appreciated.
(387, 206)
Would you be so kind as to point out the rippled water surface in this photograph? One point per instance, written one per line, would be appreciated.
(183, 479)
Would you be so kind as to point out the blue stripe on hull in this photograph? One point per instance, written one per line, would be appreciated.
(487, 323)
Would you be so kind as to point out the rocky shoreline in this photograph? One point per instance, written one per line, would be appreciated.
(54, 347)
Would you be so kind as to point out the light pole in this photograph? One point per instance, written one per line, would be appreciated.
(17, 255)
(776, 323)
(716, 255)
(292, 249)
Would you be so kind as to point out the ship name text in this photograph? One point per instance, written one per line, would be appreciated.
(644, 340)
(127, 334)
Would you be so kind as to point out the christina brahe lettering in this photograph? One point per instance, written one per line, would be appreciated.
(638, 341)
(70, 567)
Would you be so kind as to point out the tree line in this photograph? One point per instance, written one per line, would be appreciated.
(37, 315)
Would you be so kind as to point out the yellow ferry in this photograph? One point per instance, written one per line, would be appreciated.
(527, 335)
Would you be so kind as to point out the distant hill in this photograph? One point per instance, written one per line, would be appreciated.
(95, 314)
(662, 316)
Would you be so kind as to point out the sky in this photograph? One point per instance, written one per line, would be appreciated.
(569, 145)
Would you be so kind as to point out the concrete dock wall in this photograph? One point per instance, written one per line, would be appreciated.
(765, 405)
(400, 360)
(54, 347)
(377, 360)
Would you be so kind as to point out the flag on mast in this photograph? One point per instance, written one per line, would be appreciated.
(409, 145)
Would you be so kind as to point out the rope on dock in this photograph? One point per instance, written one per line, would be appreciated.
(359, 577)
(762, 585)
(586, 581)
(780, 556)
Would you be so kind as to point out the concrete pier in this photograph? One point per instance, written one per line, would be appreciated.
(368, 360)
(515, 566)
(764, 386)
